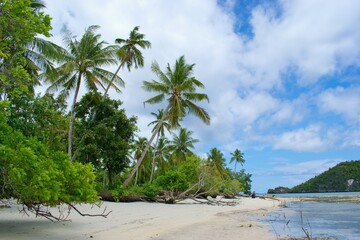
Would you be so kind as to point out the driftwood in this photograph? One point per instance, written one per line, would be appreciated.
(196, 194)
(63, 211)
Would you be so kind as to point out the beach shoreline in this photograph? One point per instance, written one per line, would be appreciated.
(143, 220)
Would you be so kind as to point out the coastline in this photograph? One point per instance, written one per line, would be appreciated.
(142, 221)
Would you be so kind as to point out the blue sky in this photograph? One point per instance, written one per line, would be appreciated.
(283, 77)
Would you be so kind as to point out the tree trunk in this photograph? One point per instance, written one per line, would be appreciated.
(135, 169)
(113, 78)
(72, 118)
(153, 160)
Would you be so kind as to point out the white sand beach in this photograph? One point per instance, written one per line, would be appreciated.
(141, 220)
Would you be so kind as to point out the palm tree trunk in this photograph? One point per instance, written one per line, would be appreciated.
(135, 169)
(235, 165)
(72, 118)
(113, 78)
(136, 178)
(153, 160)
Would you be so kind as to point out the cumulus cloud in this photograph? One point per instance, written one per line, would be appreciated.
(342, 101)
(311, 138)
(315, 38)
(245, 77)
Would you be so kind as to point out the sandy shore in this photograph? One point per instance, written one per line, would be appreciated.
(142, 220)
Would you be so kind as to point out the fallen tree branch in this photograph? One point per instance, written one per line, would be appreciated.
(104, 214)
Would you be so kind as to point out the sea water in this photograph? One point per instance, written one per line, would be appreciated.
(317, 219)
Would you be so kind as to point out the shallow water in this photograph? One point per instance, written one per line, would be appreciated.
(330, 220)
(309, 195)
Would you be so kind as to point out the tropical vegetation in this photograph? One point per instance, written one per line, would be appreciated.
(53, 154)
(344, 177)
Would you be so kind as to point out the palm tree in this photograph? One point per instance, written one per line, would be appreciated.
(39, 56)
(216, 159)
(164, 126)
(178, 87)
(182, 143)
(138, 147)
(161, 132)
(238, 157)
(82, 61)
(129, 54)
(37, 5)
(161, 155)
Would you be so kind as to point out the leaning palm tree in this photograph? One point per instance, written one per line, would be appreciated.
(182, 144)
(138, 147)
(161, 133)
(238, 157)
(82, 62)
(178, 87)
(129, 54)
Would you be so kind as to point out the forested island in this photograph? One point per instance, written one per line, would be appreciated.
(344, 177)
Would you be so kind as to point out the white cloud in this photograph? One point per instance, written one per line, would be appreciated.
(342, 101)
(314, 167)
(313, 37)
(312, 138)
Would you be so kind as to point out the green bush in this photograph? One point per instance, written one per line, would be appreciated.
(173, 180)
(33, 174)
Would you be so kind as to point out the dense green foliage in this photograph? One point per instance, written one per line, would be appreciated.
(343, 177)
(34, 174)
(192, 177)
(33, 166)
(104, 134)
(42, 117)
(19, 24)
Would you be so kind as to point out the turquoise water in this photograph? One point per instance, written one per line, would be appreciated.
(330, 220)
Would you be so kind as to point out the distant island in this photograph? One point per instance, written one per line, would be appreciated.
(344, 177)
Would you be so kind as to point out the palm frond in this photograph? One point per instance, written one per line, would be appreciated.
(155, 68)
(197, 111)
(156, 99)
(193, 96)
(155, 86)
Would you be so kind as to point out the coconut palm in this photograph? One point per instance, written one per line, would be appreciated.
(161, 133)
(36, 55)
(161, 155)
(82, 62)
(129, 54)
(238, 157)
(138, 147)
(164, 126)
(217, 161)
(182, 144)
(178, 87)
(40, 55)
(37, 5)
